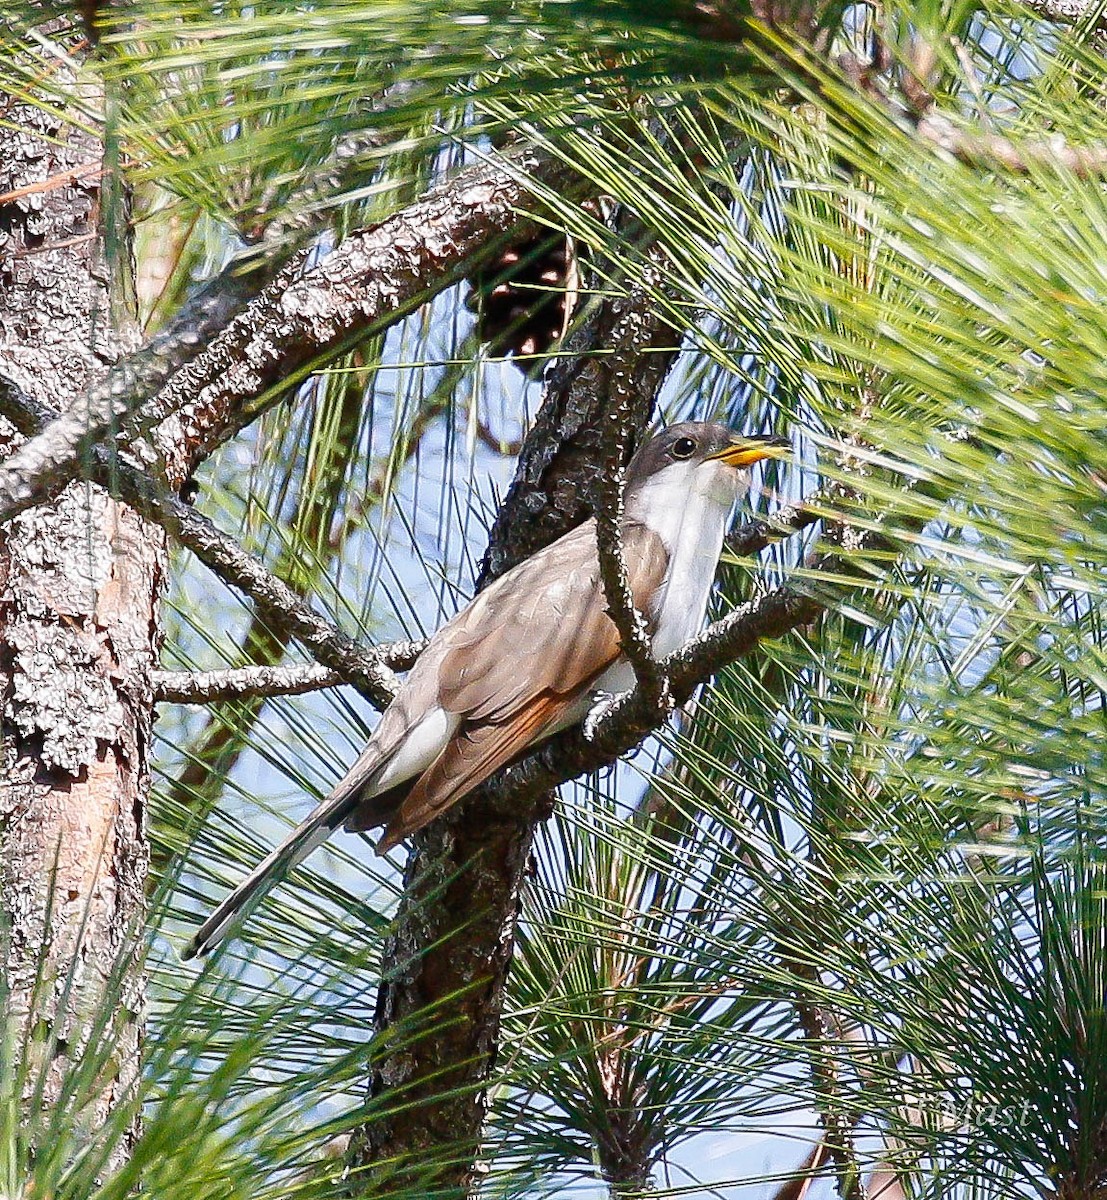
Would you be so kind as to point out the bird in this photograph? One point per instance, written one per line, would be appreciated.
(531, 654)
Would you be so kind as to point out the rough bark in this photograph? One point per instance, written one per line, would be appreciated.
(445, 966)
(369, 281)
(79, 585)
(371, 670)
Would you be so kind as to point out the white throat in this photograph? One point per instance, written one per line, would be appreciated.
(688, 505)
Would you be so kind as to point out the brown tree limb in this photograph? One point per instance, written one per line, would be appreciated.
(634, 635)
(370, 670)
(1066, 12)
(977, 148)
(372, 278)
(241, 683)
(751, 537)
(629, 718)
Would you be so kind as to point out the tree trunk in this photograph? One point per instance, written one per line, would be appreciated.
(80, 579)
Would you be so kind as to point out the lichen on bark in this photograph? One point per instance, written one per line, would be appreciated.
(80, 579)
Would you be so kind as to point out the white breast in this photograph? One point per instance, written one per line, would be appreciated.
(688, 506)
(689, 509)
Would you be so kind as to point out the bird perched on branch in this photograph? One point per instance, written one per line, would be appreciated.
(532, 653)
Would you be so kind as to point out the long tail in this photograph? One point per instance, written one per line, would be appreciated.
(311, 833)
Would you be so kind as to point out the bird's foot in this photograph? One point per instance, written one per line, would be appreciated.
(604, 703)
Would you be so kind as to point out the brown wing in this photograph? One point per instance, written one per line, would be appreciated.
(468, 759)
(548, 613)
(517, 660)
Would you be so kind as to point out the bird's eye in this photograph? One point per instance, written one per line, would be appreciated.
(684, 448)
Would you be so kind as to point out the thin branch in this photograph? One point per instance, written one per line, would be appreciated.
(279, 604)
(752, 537)
(63, 179)
(980, 149)
(818, 1032)
(1066, 12)
(367, 669)
(634, 634)
(797, 1186)
(242, 683)
(372, 278)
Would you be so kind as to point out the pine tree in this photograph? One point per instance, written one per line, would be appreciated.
(269, 270)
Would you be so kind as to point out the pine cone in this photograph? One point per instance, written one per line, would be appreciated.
(525, 298)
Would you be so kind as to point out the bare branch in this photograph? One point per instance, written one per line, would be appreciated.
(753, 536)
(241, 683)
(52, 454)
(262, 680)
(279, 604)
(634, 634)
(366, 669)
(977, 148)
(372, 278)
(1066, 12)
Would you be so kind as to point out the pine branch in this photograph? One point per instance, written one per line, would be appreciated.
(753, 536)
(241, 683)
(979, 149)
(371, 279)
(1067, 12)
(634, 636)
(369, 670)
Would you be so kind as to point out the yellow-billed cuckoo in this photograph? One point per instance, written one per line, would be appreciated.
(531, 654)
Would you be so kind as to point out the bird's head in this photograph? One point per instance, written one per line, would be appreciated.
(700, 458)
